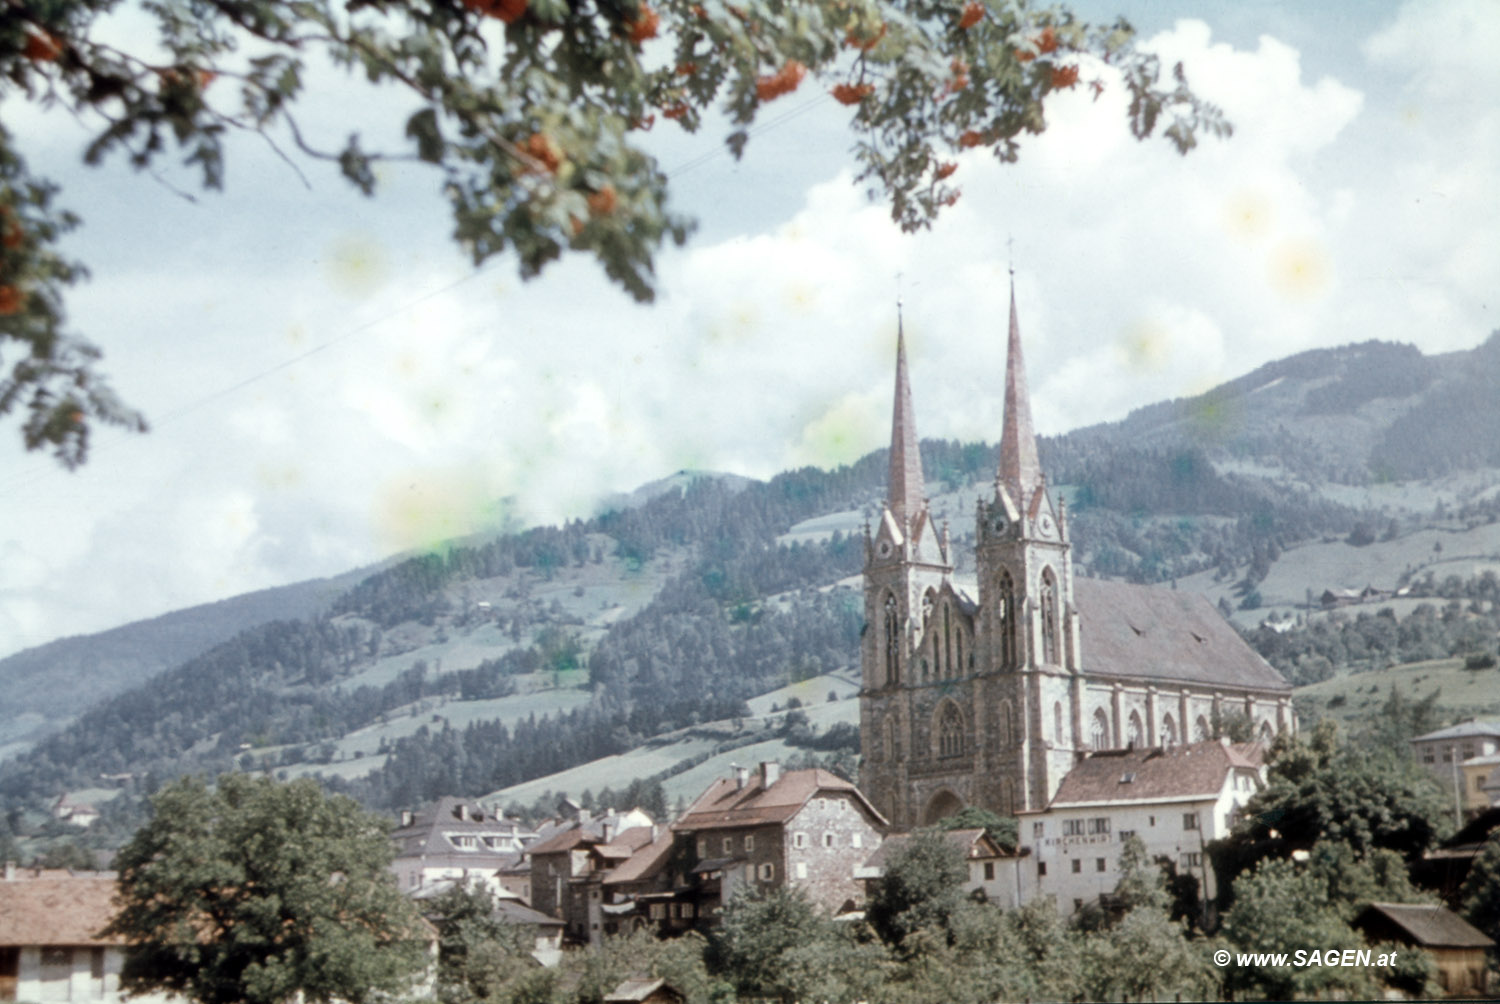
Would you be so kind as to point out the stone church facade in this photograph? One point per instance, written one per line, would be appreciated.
(987, 691)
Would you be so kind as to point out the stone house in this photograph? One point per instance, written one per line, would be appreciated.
(1176, 800)
(568, 868)
(1459, 949)
(1462, 757)
(803, 829)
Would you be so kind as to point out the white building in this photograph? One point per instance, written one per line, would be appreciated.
(1175, 799)
(455, 840)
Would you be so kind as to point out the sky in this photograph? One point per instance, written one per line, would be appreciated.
(330, 381)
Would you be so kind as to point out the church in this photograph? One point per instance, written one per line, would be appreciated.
(988, 691)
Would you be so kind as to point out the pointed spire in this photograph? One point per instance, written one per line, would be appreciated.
(1020, 470)
(907, 490)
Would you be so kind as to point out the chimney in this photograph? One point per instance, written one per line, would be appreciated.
(655, 832)
(584, 815)
(607, 830)
(406, 817)
(741, 775)
(770, 773)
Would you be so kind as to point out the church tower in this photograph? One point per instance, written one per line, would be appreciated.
(1027, 622)
(906, 561)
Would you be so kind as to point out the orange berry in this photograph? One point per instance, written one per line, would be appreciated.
(43, 47)
(852, 94)
(1064, 76)
(854, 41)
(783, 81)
(645, 25)
(970, 138)
(1048, 41)
(509, 11)
(10, 300)
(1024, 56)
(944, 170)
(972, 15)
(677, 111)
(542, 149)
(603, 202)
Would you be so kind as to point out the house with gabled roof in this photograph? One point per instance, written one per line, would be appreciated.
(1459, 949)
(569, 866)
(1175, 799)
(51, 947)
(803, 829)
(455, 840)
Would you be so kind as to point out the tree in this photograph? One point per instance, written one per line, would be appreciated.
(1000, 829)
(773, 943)
(922, 888)
(532, 113)
(253, 892)
(1321, 789)
(1480, 894)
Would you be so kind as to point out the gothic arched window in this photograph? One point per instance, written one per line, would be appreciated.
(1005, 615)
(1168, 731)
(950, 731)
(1266, 734)
(1059, 737)
(1049, 618)
(892, 637)
(1006, 735)
(890, 737)
(947, 662)
(1099, 730)
(1135, 733)
(1200, 729)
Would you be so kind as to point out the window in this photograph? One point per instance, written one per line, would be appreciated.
(989, 871)
(1192, 860)
(1005, 608)
(749, 842)
(96, 963)
(702, 847)
(802, 869)
(1072, 827)
(828, 840)
(799, 840)
(728, 845)
(1126, 835)
(1099, 864)
(1038, 830)
(1049, 617)
(1428, 756)
(822, 805)
(1448, 756)
(951, 731)
(1479, 784)
(687, 910)
(1150, 820)
(1189, 820)
(892, 637)
(658, 911)
(1077, 905)
(1077, 865)
(1041, 869)
(1099, 730)
(856, 840)
(767, 872)
(1099, 824)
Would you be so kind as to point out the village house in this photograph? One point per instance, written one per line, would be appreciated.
(1463, 757)
(452, 841)
(1175, 799)
(995, 876)
(569, 866)
(1459, 949)
(803, 829)
(50, 945)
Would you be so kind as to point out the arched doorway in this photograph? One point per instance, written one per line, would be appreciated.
(941, 806)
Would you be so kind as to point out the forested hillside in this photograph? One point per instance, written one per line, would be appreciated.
(485, 664)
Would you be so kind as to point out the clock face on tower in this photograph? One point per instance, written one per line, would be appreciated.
(884, 550)
(1045, 526)
(999, 523)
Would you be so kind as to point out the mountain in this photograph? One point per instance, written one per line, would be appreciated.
(492, 662)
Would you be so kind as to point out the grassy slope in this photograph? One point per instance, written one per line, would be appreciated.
(1462, 693)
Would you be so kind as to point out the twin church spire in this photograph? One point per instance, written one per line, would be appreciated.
(1020, 470)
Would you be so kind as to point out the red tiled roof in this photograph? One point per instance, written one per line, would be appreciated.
(645, 862)
(1155, 633)
(725, 804)
(1197, 770)
(56, 911)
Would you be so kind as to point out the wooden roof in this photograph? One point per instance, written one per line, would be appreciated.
(57, 911)
(1428, 925)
